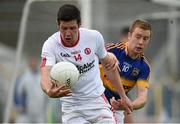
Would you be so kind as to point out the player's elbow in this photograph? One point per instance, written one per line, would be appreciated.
(143, 99)
(143, 104)
(139, 103)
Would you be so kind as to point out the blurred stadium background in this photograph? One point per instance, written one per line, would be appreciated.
(25, 25)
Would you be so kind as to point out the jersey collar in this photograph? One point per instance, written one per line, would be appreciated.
(126, 48)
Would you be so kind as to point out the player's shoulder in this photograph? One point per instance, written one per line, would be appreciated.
(146, 63)
(120, 45)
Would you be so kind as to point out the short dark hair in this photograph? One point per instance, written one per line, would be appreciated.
(68, 12)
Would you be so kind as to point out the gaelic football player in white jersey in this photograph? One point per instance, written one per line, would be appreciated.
(85, 103)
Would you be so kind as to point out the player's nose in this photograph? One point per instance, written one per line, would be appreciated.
(68, 32)
(141, 41)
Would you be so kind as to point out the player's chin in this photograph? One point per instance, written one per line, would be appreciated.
(139, 51)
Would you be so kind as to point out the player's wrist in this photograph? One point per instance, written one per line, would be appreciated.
(123, 96)
(47, 90)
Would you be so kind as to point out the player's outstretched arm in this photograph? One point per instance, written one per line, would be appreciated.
(110, 65)
(141, 99)
(138, 103)
(49, 87)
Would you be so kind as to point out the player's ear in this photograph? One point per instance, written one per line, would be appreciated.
(129, 35)
(58, 22)
(79, 25)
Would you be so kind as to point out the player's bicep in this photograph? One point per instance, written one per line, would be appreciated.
(104, 60)
(48, 56)
(100, 51)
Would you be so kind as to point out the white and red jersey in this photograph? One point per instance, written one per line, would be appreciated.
(85, 56)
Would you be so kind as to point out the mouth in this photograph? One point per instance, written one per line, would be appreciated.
(139, 49)
(67, 38)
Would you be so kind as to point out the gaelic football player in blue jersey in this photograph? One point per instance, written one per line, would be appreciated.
(133, 65)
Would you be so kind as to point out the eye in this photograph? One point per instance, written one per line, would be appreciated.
(146, 38)
(73, 28)
(138, 37)
(63, 28)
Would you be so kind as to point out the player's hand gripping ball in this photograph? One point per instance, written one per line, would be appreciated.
(66, 73)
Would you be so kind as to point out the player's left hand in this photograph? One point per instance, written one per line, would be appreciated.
(122, 105)
(57, 91)
(116, 104)
(126, 104)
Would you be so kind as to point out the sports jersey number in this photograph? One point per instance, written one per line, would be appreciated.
(125, 68)
(78, 57)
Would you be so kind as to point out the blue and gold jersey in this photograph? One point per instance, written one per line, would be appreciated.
(132, 71)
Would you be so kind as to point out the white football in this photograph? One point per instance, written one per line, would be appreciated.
(65, 72)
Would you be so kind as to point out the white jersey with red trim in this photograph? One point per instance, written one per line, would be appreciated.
(85, 56)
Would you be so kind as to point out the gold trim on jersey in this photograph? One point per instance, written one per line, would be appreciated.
(109, 44)
(143, 83)
(127, 84)
(124, 45)
(126, 48)
(146, 61)
(117, 45)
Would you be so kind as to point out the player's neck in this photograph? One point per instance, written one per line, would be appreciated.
(132, 54)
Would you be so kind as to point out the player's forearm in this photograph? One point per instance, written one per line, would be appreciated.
(141, 99)
(45, 79)
(44, 86)
(138, 103)
(110, 66)
(113, 76)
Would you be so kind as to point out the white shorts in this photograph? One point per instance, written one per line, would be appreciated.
(96, 110)
(119, 116)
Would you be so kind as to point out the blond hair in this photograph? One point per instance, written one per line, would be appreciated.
(143, 24)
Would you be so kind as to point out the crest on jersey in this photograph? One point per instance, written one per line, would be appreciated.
(135, 72)
(87, 51)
